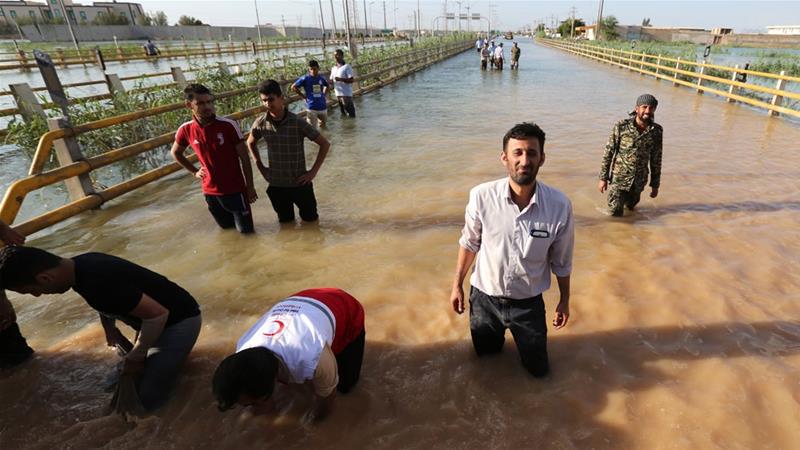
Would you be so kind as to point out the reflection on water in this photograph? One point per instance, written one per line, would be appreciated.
(684, 330)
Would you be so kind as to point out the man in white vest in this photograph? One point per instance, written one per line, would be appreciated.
(315, 336)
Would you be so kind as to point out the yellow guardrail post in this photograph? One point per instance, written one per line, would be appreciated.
(658, 63)
(777, 100)
(700, 78)
(677, 68)
(733, 89)
(68, 151)
(114, 84)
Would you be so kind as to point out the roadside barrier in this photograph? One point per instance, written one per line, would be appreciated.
(694, 75)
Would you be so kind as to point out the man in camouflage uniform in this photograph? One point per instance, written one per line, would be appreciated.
(634, 144)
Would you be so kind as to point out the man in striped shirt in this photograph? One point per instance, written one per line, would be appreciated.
(225, 169)
(517, 231)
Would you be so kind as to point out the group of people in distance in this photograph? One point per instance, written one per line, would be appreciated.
(492, 55)
(517, 232)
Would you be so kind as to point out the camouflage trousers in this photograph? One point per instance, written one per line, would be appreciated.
(618, 198)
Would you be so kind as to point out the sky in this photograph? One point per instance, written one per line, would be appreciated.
(742, 16)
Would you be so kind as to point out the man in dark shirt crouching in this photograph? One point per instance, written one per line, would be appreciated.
(165, 316)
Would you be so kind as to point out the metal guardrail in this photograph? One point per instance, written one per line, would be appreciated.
(401, 66)
(653, 65)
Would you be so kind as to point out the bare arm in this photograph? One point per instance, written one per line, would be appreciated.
(296, 90)
(252, 145)
(247, 169)
(9, 235)
(154, 318)
(464, 262)
(324, 146)
(178, 155)
(562, 309)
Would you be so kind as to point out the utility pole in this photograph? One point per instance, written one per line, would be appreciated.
(366, 22)
(333, 15)
(322, 19)
(395, 15)
(446, 20)
(459, 15)
(384, 14)
(258, 21)
(572, 23)
(419, 21)
(69, 25)
(599, 19)
(468, 19)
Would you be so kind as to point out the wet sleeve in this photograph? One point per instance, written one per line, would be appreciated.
(563, 244)
(471, 233)
(326, 375)
(609, 153)
(655, 161)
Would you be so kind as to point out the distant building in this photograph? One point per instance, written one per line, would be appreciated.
(13, 10)
(784, 29)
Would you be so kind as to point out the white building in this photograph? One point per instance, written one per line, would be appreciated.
(12, 10)
(784, 29)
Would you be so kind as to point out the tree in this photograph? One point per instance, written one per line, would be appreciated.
(608, 28)
(159, 18)
(646, 22)
(189, 20)
(110, 18)
(153, 18)
(566, 27)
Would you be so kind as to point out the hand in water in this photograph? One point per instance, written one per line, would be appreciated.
(562, 315)
(457, 299)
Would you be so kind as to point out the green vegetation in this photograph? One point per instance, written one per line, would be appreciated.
(110, 18)
(189, 20)
(567, 27)
(608, 28)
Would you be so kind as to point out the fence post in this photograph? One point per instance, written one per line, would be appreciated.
(60, 53)
(733, 89)
(114, 84)
(255, 51)
(777, 100)
(658, 63)
(677, 67)
(219, 49)
(68, 151)
(641, 66)
(179, 77)
(285, 67)
(27, 103)
(700, 80)
(223, 67)
(23, 60)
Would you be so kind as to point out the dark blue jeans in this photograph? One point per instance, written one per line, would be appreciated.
(489, 317)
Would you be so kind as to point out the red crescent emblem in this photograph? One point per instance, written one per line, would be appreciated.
(281, 326)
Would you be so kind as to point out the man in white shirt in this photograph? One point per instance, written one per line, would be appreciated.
(498, 56)
(342, 81)
(315, 336)
(517, 230)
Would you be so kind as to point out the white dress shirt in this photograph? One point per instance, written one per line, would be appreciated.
(517, 250)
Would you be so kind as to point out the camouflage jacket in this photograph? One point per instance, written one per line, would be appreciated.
(628, 154)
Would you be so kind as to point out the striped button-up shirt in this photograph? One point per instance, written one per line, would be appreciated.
(517, 250)
(285, 146)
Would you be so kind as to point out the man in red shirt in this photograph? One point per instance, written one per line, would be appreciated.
(225, 169)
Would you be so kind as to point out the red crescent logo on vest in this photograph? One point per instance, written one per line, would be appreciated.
(275, 327)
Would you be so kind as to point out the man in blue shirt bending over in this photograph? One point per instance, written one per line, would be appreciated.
(315, 89)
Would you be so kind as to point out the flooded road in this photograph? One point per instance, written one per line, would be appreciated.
(685, 327)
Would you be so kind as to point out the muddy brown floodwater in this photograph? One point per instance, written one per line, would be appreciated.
(685, 329)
